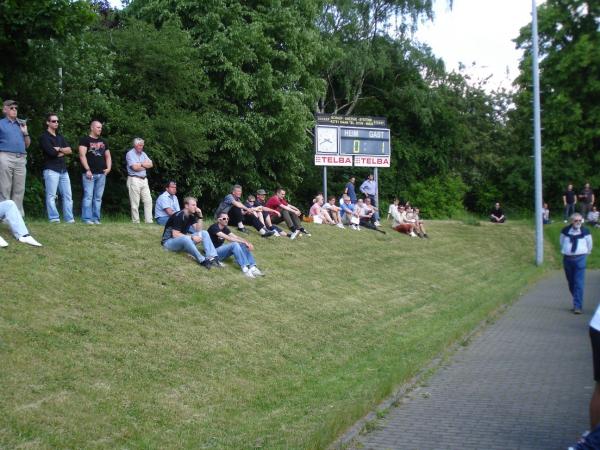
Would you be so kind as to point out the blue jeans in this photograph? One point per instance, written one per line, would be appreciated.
(209, 247)
(162, 220)
(10, 213)
(184, 244)
(240, 252)
(58, 181)
(92, 197)
(569, 210)
(575, 272)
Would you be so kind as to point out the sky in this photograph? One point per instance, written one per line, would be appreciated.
(480, 32)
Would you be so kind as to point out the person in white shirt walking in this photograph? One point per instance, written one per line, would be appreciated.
(575, 245)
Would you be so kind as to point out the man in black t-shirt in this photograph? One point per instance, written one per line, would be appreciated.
(240, 248)
(176, 238)
(56, 176)
(569, 201)
(496, 214)
(96, 163)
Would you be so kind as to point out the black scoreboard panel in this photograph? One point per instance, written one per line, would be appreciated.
(364, 141)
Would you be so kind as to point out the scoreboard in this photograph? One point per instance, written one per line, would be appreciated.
(352, 141)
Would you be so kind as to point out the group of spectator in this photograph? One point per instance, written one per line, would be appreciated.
(406, 219)
(586, 201)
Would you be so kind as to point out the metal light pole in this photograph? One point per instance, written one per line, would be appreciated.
(537, 140)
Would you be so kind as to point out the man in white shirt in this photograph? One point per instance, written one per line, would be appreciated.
(575, 245)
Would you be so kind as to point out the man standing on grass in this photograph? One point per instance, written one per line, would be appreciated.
(369, 189)
(240, 248)
(167, 203)
(349, 189)
(586, 199)
(287, 212)
(10, 214)
(14, 141)
(137, 181)
(96, 163)
(56, 176)
(569, 201)
(175, 236)
(575, 245)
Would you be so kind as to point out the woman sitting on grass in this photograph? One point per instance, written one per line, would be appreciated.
(320, 214)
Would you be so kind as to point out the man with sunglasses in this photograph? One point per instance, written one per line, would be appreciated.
(14, 141)
(56, 176)
(575, 245)
(240, 248)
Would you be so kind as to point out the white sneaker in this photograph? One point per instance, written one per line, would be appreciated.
(247, 272)
(377, 224)
(339, 225)
(276, 233)
(28, 239)
(412, 234)
(3, 243)
(294, 234)
(358, 227)
(256, 271)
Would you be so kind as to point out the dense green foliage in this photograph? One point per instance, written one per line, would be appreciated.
(569, 36)
(225, 91)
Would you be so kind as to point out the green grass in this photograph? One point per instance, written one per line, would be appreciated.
(107, 341)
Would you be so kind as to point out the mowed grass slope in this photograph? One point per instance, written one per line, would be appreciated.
(107, 341)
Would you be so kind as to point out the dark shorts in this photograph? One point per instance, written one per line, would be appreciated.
(595, 338)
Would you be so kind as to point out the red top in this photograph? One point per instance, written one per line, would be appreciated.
(274, 203)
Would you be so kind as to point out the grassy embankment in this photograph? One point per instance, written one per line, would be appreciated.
(107, 341)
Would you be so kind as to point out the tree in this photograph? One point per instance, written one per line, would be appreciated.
(570, 95)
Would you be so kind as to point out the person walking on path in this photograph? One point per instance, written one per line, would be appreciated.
(575, 245)
(14, 141)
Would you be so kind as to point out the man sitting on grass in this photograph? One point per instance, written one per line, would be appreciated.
(261, 201)
(373, 210)
(176, 239)
(10, 214)
(496, 214)
(239, 213)
(287, 212)
(167, 203)
(334, 211)
(349, 213)
(240, 248)
(400, 224)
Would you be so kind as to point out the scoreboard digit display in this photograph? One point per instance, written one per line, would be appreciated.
(364, 141)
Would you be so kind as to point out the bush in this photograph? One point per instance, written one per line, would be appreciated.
(437, 197)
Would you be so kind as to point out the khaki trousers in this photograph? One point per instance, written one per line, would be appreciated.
(13, 171)
(138, 189)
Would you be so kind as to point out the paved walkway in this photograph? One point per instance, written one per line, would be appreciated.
(523, 383)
